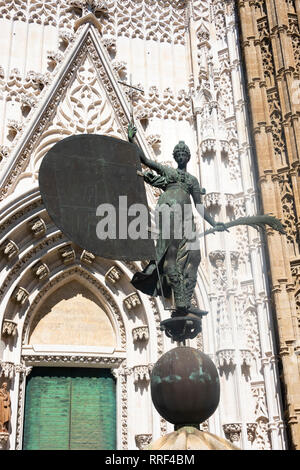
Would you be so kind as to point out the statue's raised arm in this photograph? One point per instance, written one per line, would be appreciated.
(146, 161)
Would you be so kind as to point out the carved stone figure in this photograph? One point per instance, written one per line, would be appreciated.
(5, 411)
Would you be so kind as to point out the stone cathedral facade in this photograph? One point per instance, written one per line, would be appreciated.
(220, 75)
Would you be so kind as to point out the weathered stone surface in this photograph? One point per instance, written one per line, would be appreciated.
(189, 438)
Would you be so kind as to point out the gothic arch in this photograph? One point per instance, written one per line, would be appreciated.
(90, 281)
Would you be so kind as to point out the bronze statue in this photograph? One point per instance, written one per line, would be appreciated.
(176, 262)
(5, 411)
(176, 265)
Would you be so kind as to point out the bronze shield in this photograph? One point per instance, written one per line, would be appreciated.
(80, 173)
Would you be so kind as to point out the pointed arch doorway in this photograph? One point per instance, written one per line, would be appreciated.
(70, 409)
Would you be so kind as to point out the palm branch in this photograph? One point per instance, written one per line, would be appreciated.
(256, 221)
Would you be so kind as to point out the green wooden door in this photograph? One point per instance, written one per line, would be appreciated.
(68, 408)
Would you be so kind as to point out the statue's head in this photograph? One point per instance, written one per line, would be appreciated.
(181, 152)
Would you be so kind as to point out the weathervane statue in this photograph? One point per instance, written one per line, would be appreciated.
(177, 263)
(87, 176)
(178, 257)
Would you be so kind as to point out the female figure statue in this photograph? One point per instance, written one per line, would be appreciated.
(178, 257)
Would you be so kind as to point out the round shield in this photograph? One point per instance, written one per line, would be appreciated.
(88, 183)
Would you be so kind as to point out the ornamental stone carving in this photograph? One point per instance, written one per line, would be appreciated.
(66, 36)
(229, 199)
(217, 258)
(251, 431)
(212, 199)
(71, 359)
(154, 140)
(119, 66)
(37, 226)
(67, 254)
(132, 301)
(204, 426)
(54, 58)
(141, 333)
(110, 44)
(87, 257)
(234, 258)
(88, 6)
(232, 432)
(208, 145)
(246, 357)
(4, 152)
(7, 369)
(141, 373)
(114, 274)
(9, 328)
(143, 440)
(40, 270)
(20, 295)
(219, 274)
(23, 369)
(225, 357)
(9, 248)
(15, 126)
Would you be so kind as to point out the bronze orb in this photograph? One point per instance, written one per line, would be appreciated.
(185, 387)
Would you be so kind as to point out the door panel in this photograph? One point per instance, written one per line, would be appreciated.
(68, 408)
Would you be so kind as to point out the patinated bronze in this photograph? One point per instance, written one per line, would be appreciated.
(185, 387)
(176, 264)
(83, 172)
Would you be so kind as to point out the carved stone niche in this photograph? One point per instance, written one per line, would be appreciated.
(67, 254)
(37, 227)
(40, 270)
(20, 295)
(114, 274)
(143, 440)
(9, 248)
(9, 328)
(132, 301)
(87, 257)
(232, 432)
(141, 333)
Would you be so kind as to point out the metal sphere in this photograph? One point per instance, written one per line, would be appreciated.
(185, 386)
